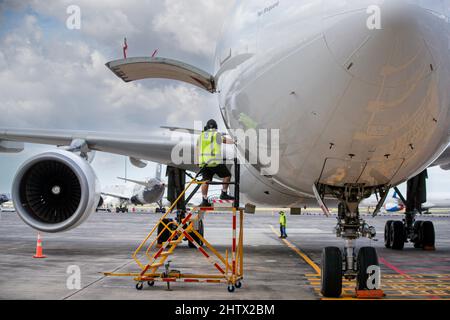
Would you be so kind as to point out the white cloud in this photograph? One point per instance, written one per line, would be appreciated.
(51, 77)
(65, 84)
(194, 25)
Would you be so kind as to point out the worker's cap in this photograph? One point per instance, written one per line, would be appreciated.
(282, 212)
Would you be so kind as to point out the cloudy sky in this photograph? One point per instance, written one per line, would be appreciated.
(54, 77)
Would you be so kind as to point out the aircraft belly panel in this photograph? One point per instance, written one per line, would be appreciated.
(339, 172)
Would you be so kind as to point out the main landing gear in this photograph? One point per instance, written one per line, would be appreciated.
(123, 209)
(348, 264)
(420, 233)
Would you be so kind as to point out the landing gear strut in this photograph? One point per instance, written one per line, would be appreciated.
(338, 264)
(420, 233)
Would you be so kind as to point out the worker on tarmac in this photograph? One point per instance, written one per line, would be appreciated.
(209, 146)
(283, 223)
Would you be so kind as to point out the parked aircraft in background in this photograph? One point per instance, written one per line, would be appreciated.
(7, 207)
(439, 200)
(392, 204)
(4, 198)
(436, 201)
(359, 110)
(144, 192)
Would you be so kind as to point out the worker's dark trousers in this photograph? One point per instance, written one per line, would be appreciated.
(283, 231)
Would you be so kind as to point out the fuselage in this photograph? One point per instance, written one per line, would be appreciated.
(152, 193)
(353, 103)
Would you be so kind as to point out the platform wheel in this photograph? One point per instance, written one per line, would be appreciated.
(367, 256)
(139, 286)
(238, 285)
(231, 288)
(331, 275)
(151, 283)
(427, 234)
(397, 235)
(387, 234)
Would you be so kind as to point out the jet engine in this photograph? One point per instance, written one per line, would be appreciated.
(55, 191)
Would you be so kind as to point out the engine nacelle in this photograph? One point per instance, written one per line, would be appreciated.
(55, 191)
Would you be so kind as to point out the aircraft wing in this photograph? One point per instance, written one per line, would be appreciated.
(117, 196)
(444, 160)
(156, 145)
(141, 183)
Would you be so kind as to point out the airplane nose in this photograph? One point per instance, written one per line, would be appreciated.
(390, 44)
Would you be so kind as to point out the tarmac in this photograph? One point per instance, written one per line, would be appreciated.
(274, 269)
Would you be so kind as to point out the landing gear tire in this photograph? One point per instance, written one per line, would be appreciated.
(238, 285)
(331, 279)
(200, 230)
(231, 288)
(387, 234)
(139, 286)
(417, 234)
(427, 235)
(397, 235)
(367, 256)
(151, 283)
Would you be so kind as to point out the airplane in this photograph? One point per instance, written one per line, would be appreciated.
(4, 198)
(360, 106)
(394, 204)
(145, 192)
(7, 206)
(434, 201)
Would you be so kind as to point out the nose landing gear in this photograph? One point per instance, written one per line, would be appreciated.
(345, 264)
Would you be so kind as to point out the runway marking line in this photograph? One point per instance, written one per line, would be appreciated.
(421, 287)
(394, 268)
(300, 253)
(393, 286)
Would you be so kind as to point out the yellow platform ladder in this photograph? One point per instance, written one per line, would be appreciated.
(176, 231)
(159, 250)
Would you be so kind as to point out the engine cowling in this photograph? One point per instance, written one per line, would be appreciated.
(55, 191)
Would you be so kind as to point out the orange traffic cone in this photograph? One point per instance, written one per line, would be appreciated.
(39, 254)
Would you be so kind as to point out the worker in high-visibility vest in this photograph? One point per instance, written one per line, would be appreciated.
(209, 148)
(283, 224)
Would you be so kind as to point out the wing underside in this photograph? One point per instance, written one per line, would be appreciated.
(156, 146)
(117, 196)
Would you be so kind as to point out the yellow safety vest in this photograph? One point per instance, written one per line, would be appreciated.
(283, 219)
(210, 151)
